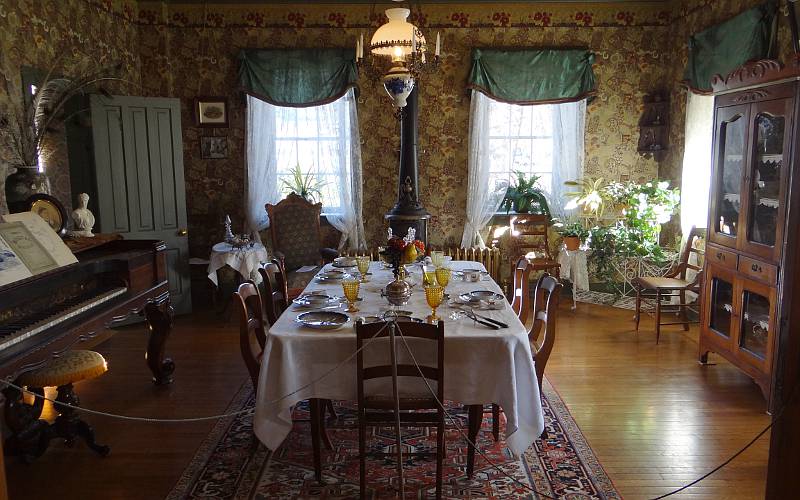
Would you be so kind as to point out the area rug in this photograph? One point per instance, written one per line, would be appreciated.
(231, 463)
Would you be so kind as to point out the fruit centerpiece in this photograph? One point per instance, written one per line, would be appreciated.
(400, 251)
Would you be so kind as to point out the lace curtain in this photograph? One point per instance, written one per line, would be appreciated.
(485, 192)
(696, 176)
(332, 152)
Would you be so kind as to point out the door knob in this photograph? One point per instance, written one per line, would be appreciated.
(183, 232)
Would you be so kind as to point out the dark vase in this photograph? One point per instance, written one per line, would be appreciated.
(20, 185)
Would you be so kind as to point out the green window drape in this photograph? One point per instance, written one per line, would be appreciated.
(297, 77)
(724, 47)
(533, 76)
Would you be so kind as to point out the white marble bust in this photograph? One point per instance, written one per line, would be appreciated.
(82, 217)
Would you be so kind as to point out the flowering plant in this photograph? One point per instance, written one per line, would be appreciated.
(399, 251)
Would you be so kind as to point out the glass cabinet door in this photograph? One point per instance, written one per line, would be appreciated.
(766, 176)
(756, 324)
(729, 169)
(720, 303)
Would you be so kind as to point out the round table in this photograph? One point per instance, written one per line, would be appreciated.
(245, 261)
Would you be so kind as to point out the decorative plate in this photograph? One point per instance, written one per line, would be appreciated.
(316, 300)
(323, 320)
(49, 209)
(344, 262)
(479, 295)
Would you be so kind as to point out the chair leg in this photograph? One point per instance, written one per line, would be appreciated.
(496, 421)
(330, 409)
(323, 431)
(684, 315)
(658, 315)
(439, 453)
(315, 435)
(362, 451)
(638, 314)
(475, 416)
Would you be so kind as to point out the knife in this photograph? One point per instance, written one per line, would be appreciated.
(475, 318)
(498, 323)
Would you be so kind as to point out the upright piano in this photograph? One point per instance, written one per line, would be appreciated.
(75, 306)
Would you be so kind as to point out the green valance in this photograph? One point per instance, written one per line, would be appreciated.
(297, 77)
(724, 47)
(533, 76)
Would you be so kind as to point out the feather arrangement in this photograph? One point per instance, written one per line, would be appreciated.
(24, 127)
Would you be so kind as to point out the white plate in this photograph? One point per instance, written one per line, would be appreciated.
(344, 262)
(323, 320)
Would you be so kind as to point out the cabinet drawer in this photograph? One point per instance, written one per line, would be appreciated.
(761, 271)
(721, 257)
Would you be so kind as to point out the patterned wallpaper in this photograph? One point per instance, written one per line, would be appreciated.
(62, 36)
(184, 51)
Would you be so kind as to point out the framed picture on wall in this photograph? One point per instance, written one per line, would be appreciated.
(211, 111)
(214, 148)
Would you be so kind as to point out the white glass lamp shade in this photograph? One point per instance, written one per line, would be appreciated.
(385, 40)
(398, 83)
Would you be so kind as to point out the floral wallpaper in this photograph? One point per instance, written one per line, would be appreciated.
(187, 50)
(61, 36)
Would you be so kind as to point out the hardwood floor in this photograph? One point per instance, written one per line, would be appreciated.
(655, 418)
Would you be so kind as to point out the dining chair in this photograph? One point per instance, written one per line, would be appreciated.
(296, 238)
(521, 291)
(547, 294)
(421, 409)
(531, 230)
(252, 340)
(675, 284)
(275, 301)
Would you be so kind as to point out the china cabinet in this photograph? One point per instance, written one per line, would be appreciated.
(753, 159)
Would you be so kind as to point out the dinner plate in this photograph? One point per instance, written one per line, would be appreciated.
(344, 262)
(476, 296)
(323, 320)
(331, 275)
(316, 300)
(378, 319)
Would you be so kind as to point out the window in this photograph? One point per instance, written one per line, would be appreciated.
(521, 139)
(696, 177)
(317, 139)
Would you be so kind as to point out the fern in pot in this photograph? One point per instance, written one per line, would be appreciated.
(525, 196)
(306, 184)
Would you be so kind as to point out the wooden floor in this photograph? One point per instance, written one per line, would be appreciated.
(655, 418)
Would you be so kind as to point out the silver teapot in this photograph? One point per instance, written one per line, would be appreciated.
(398, 291)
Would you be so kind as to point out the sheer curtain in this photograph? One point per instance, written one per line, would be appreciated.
(483, 196)
(261, 167)
(344, 159)
(696, 176)
(569, 122)
(508, 137)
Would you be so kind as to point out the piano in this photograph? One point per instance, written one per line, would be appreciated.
(75, 306)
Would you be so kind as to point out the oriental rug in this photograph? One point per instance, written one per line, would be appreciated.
(231, 463)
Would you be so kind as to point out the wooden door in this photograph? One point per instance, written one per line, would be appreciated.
(730, 153)
(765, 178)
(755, 332)
(138, 155)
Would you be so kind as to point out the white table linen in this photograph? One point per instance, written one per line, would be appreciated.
(244, 261)
(481, 365)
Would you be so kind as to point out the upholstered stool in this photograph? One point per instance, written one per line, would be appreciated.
(31, 435)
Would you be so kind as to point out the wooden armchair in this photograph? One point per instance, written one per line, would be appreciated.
(674, 284)
(295, 232)
(532, 232)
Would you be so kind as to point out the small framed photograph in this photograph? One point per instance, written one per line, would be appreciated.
(214, 148)
(211, 111)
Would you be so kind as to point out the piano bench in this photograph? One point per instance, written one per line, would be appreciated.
(31, 436)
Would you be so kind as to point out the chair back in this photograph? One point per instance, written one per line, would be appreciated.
(520, 302)
(251, 324)
(532, 230)
(295, 231)
(409, 330)
(695, 245)
(546, 298)
(275, 295)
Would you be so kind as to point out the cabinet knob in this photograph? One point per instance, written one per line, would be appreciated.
(756, 268)
(183, 232)
(720, 256)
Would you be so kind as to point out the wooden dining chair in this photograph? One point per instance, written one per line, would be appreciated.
(541, 336)
(521, 291)
(252, 340)
(275, 295)
(531, 229)
(416, 410)
(675, 284)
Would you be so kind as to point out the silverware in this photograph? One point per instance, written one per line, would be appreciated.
(471, 315)
(498, 323)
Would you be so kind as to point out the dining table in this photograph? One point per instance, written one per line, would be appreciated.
(481, 364)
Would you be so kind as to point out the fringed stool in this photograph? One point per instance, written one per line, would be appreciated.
(30, 435)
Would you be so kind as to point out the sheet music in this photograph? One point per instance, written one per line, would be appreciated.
(26, 248)
(44, 234)
(11, 267)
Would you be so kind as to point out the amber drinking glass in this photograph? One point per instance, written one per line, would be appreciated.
(434, 295)
(362, 262)
(428, 275)
(443, 276)
(437, 258)
(350, 286)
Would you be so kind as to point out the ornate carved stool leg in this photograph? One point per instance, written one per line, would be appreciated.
(160, 324)
(30, 436)
(69, 426)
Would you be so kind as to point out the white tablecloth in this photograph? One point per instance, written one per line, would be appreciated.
(481, 365)
(245, 261)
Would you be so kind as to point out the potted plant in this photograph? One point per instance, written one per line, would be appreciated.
(573, 234)
(306, 185)
(525, 196)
